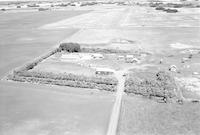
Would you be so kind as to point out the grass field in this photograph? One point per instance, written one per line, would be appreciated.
(38, 109)
(142, 116)
(23, 41)
(29, 109)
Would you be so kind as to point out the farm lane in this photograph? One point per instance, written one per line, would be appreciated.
(114, 118)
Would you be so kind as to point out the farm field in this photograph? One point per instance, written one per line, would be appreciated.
(127, 23)
(142, 116)
(39, 109)
(23, 41)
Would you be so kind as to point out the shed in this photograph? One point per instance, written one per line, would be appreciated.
(173, 68)
(97, 56)
(131, 59)
(120, 57)
(104, 71)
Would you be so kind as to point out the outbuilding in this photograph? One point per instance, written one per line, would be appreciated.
(104, 71)
(120, 57)
(173, 68)
(131, 59)
(97, 56)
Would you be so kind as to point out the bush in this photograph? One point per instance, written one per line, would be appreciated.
(70, 47)
(3, 9)
(178, 5)
(160, 84)
(160, 8)
(103, 50)
(171, 10)
(43, 9)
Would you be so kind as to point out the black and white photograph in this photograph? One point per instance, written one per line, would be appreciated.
(99, 67)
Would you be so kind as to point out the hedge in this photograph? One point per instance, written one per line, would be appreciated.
(103, 50)
(65, 82)
(32, 64)
(68, 76)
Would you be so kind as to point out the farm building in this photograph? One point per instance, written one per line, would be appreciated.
(173, 68)
(104, 71)
(97, 56)
(129, 56)
(121, 57)
(131, 59)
